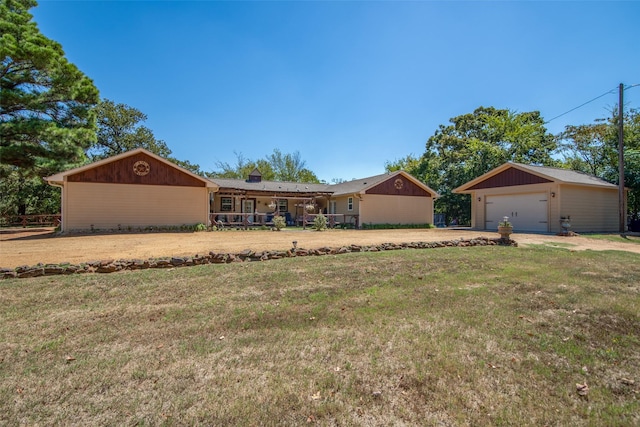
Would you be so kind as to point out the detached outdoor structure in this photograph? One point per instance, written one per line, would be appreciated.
(139, 189)
(539, 198)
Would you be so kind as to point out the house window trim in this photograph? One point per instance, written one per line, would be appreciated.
(226, 204)
(283, 203)
(350, 204)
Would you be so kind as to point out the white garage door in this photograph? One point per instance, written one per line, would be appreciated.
(527, 212)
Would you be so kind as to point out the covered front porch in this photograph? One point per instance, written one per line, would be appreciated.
(246, 209)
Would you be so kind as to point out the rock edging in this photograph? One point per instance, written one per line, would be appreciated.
(112, 266)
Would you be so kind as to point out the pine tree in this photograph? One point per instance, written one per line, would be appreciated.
(46, 118)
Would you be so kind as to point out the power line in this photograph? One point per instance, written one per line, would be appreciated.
(582, 105)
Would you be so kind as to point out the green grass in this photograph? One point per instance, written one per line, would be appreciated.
(453, 336)
(621, 238)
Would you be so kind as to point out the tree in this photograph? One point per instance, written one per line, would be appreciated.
(27, 196)
(586, 148)
(409, 162)
(472, 145)
(290, 167)
(46, 121)
(593, 148)
(46, 118)
(242, 168)
(275, 167)
(120, 130)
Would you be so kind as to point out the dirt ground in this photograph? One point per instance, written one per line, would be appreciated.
(32, 246)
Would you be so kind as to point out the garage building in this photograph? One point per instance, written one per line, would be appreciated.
(535, 198)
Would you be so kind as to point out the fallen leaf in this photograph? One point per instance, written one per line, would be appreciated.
(70, 359)
(316, 396)
(627, 381)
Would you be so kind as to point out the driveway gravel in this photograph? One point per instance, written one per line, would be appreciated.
(32, 246)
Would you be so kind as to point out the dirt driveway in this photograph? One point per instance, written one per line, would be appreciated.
(32, 246)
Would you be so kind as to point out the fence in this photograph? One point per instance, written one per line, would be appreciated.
(30, 220)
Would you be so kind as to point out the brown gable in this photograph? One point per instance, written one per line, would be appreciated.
(509, 177)
(398, 186)
(137, 169)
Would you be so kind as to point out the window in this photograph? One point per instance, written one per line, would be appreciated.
(226, 204)
(283, 206)
(332, 207)
(350, 204)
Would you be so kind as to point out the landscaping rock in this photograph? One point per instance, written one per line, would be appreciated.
(51, 270)
(34, 272)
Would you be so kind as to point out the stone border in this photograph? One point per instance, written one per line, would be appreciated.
(111, 266)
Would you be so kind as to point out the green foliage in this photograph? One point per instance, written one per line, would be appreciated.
(242, 169)
(407, 163)
(632, 181)
(290, 167)
(593, 148)
(120, 130)
(504, 223)
(199, 227)
(279, 222)
(585, 148)
(186, 164)
(320, 222)
(46, 118)
(27, 195)
(472, 145)
(275, 167)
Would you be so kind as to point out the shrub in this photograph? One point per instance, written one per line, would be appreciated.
(200, 227)
(279, 222)
(320, 222)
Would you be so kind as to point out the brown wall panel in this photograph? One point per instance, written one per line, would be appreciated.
(508, 178)
(399, 186)
(122, 172)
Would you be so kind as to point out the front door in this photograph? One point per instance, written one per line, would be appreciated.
(248, 206)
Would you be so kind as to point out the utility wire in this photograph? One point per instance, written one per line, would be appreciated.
(582, 105)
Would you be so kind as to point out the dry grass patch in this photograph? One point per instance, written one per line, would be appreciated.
(475, 336)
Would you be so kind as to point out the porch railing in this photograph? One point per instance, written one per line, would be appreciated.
(246, 220)
(238, 219)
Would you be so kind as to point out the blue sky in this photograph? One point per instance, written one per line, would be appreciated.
(348, 84)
